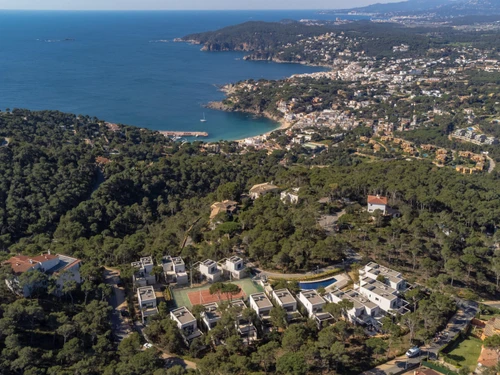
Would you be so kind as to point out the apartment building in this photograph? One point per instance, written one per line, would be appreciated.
(143, 272)
(261, 304)
(245, 327)
(146, 298)
(187, 324)
(314, 304)
(174, 270)
(209, 269)
(211, 315)
(234, 267)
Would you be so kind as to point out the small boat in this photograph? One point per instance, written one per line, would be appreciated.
(203, 119)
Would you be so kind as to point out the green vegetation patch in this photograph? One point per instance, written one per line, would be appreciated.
(465, 352)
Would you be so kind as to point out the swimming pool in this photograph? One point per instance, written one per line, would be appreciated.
(306, 285)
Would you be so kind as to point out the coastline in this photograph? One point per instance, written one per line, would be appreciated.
(282, 124)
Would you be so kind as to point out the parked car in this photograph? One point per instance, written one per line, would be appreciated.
(413, 352)
(147, 345)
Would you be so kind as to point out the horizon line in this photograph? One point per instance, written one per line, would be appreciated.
(170, 10)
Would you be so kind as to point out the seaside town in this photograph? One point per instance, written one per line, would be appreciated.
(389, 96)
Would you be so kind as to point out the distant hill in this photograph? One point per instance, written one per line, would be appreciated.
(440, 8)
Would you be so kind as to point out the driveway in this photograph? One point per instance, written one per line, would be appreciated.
(492, 164)
(459, 321)
(121, 328)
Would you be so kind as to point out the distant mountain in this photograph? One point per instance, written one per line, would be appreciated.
(440, 8)
(404, 6)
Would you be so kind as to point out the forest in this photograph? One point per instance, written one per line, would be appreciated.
(108, 196)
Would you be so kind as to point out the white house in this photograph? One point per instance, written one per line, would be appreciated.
(260, 190)
(211, 315)
(376, 202)
(146, 298)
(186, 323)
(290, 196)
(246, 329)
(61, 267)
(393, 278)
(364, 311)
(261, 304)
(209, 269)
(383, 286)
(174, 270)
(143, 272)
(284, 298)
(287, 301)
(235, 267)
(312, 301)
(314, 304)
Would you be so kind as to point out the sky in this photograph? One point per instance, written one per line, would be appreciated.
(182, 4)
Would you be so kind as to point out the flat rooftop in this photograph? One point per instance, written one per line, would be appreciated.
(64, 263)
(208, 262)
(183, 315)
(380, 289)
(357, 299)
(238, 303)
(313, 297)
(377, 269)
(284, 296)
(235, 259)
(178, 260)
(147, 260)
(261, 300)
(146, 292)
(212, 311)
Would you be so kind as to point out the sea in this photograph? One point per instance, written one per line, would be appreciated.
(124, 67)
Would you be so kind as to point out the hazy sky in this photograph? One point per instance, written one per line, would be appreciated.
(183, 4)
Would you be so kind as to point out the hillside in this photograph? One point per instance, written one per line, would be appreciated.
(438, 8)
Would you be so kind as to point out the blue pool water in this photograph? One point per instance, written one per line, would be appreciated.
(316, 284)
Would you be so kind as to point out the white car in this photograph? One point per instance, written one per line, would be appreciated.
(413, 352)
(147, 345)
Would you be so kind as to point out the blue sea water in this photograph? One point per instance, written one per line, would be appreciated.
(112, 65)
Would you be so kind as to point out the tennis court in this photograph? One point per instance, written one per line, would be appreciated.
(201, 295)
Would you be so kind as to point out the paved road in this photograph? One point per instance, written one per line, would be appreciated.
(351, 257)
(467, 311)
(495, 304)
(492, 164)
(121, 329)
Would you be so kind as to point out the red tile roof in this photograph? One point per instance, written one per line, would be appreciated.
(22, 263)
(426, 371)
(488, 357)
(377, 199)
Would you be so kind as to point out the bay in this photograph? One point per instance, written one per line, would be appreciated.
(124, 67)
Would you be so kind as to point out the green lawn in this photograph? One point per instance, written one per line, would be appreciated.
(181, 298)
(465, 352)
